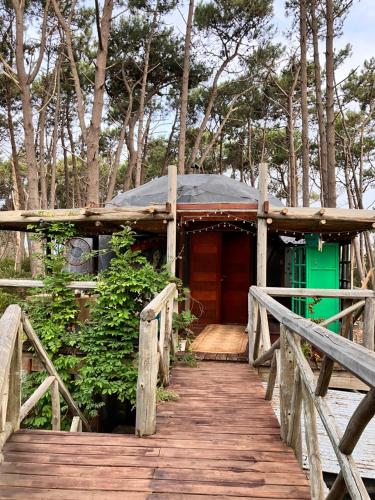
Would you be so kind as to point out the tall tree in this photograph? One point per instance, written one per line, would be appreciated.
(330, 105)
(185, 91)
(304, 105)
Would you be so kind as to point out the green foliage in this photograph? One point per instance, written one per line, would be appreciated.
(182, 320)
(188, 358)
(11, 295)
(109, 340)
(163, 394)
(53, 313)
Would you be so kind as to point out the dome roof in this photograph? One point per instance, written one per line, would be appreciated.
(191, 188)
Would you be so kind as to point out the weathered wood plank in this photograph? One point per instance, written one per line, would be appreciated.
(37, 345)
(318, 292)
(325, 375)
(355, 358)
(148, 365)
(35, 397)
(56, 412)
(24, 283)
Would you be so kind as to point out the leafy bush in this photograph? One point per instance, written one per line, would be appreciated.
(109, 340)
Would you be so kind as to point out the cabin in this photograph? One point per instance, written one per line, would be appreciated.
(247, 260)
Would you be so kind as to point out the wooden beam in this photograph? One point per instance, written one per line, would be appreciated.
(44, 358)
(271, 378)
(355, 358)
(294, 438)
(347, 464)
(15, 382)
(148, 365)
(35, 397)
(262, 226)
(369, 324)
(151, 311)
(172, 223)
(343, 313)
(358, 422)
(56, 412)
(305, 213)
(76, 424)
(318, 292)
(287, 366)
(268, 354)
(9, 328)
(24, 283)
(312, 444)
(324, 376)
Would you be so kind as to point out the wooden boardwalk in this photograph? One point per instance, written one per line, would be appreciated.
(219, 440)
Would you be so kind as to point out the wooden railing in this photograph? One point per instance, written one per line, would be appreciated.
(298, 383)
(156, 341)
(14, 327)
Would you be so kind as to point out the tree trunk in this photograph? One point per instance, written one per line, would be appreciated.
(249, 151)
(116, 163)
(55, 137)
(304, 108)
(185, 91)
(169, 145)
(77, 187)
(330, 110)
(132, 156)
(319, 105)
(293, 194)
(93, 133)
(42, 155)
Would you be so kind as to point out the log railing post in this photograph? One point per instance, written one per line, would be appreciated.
(312, 443)
(369, 323)
(56, 411)
(14, 394)
(287, 366)
(148, 364)
(262, 226)
(294, 439)
(172, 224)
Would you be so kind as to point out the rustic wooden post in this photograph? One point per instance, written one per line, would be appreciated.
(312, 443)
(250, 327)
(287, 366)
(172, 224)
(148, 364)
(294, 439)
(271, 378)
(262, 226)
(14, 398)
(56, 412)
(369, 323)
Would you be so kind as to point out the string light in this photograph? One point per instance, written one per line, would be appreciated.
(217, 226)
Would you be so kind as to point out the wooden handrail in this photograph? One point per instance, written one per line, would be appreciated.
(295, 370)
(13, 324)
(355, 358)
(152, 310)
(24, 283)
(156, 340)
(318, 292)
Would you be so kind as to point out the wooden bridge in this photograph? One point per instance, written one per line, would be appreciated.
(220, 439)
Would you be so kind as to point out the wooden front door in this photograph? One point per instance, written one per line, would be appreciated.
(235, 277)
(205, 272)
(220, 276)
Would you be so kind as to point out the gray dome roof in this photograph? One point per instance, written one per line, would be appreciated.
(192, 188)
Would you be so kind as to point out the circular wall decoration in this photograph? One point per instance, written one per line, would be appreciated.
(77, 250)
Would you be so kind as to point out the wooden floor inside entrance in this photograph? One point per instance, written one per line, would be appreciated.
(220, 439)
(221, 343)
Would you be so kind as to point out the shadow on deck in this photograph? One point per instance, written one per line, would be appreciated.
(221, 439)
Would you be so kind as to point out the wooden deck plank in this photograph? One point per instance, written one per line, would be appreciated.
(221, 439)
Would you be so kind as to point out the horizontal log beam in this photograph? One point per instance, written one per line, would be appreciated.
(336, 214)
(318, 292)
(343, 313)
(35, 397)
(23, 283)
(355, 358)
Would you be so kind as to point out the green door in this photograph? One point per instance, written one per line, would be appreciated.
(322, 271)
(308, 267)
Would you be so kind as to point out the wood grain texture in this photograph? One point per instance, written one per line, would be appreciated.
(220, 439)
